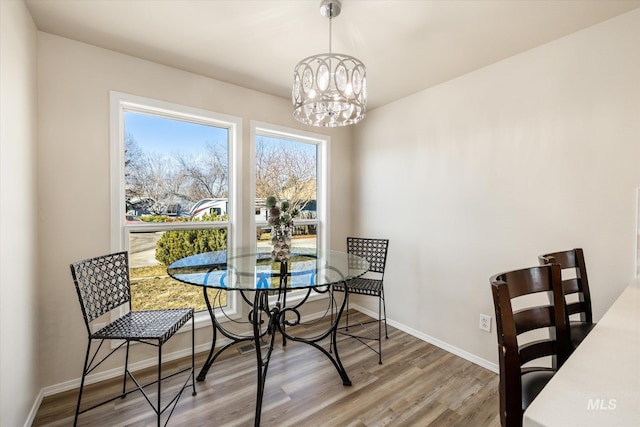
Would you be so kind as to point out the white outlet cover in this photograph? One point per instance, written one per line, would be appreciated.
(485, 323)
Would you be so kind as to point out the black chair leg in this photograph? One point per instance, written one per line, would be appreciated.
(193, 356)
(126, 372)
(380, 331)
(384, 311)
(159, 410)
(331, 301)
(347, 325)
(84, 374)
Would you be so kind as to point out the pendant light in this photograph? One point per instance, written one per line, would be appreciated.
(329, 89)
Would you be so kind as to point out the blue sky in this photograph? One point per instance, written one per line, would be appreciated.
(309, 149)
(168, 136)
(155, 134)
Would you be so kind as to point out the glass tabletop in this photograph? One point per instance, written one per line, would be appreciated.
(254, 270)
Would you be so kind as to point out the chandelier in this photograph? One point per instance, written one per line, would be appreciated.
(329, 89)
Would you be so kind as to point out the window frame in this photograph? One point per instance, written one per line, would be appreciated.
(323, 144)
(120, 230)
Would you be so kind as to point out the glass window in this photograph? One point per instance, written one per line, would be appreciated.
(173, 194)
(175, 170)
(289, 165)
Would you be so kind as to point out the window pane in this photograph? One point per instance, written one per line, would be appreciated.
(286, 169)
(303, 236)
(149, 255)
(175, 170)
(263, 237)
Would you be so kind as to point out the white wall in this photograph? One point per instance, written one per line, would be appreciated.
(479, 175)
(73, 115)
(473, 177)
(18, 249)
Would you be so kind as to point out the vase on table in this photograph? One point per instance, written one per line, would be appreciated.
(281, 242)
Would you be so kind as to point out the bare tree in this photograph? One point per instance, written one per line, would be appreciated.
(153, 176)
(133, 159)
(286, 171)
(145, 176)
(204, 176)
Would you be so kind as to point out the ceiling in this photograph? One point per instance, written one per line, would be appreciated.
(407, 45)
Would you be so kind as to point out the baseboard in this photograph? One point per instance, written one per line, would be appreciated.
(431, 340)
(116, 372)
(34, 409)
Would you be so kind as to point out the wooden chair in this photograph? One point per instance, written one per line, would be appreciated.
(375, 252)
(102, 284)
(520, 384)
(576, 291)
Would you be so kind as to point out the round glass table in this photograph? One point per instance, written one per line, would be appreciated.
(263, 285)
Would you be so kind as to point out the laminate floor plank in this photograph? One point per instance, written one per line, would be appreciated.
(418, 384)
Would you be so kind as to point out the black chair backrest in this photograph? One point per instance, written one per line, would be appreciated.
(550, 314)
(573, 260)
(102, 284)
(373, 250)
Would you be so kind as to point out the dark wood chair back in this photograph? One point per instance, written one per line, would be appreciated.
(519, 384)
(573, 260)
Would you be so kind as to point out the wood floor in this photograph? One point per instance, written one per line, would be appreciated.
(418, 384)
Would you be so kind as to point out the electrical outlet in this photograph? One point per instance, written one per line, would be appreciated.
(485, 323)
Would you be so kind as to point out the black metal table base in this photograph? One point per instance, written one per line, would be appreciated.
(276, 322)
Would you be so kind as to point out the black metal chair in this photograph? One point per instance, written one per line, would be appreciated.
(523, 360)
(575, 286)
(375, 252)
(103, 284)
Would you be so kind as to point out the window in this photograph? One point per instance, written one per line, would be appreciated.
(174, 193)
(176, 180)
(291, 165)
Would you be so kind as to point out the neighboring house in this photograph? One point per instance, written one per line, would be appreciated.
(137, 206)
(219, 207)
(262, 213)
(208, 207)
(174, 209)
